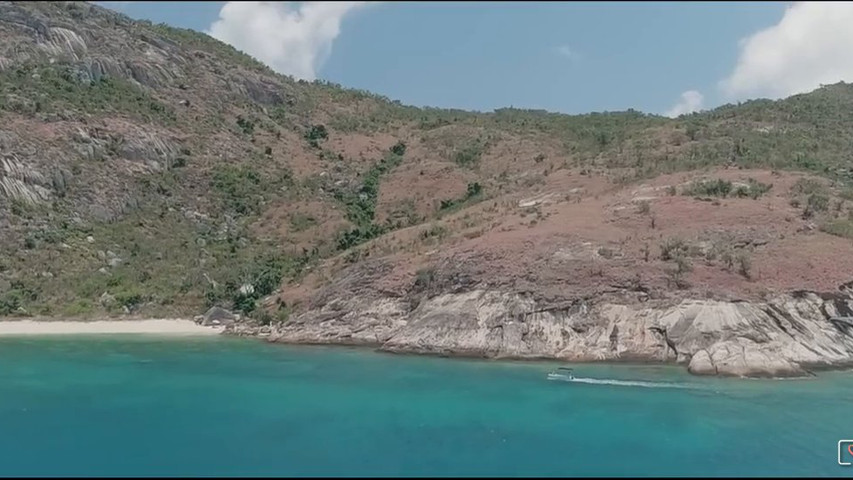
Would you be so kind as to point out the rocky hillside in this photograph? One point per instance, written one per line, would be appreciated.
(152, 170)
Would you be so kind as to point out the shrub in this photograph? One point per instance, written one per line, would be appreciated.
(474, 191)
(300, 222)
(129, 296)
(744, 264)
(437, 231)
(399, 149)
(728, 259)
(424, 278)
(644, 207)
(59, 88)
(246, 126)
(681, 268)
(469, 155)
(315, 134)
(753, 189)
(361, 205)
(239, 187)
(671, 248)
(244, 303)
(262, 316)
(839, 228)
(709, 188)
(807, 186)
(816, 202)
(283, 314)
(10, 302)
(692, 131)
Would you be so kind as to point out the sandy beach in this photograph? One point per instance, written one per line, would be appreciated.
(153, 326)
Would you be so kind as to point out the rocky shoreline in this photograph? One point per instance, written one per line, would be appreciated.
(785, 336)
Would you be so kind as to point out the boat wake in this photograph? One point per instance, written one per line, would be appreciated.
(621, 383)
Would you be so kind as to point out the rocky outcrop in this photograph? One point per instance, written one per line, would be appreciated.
(17, 182)
(783, 336)
(216, 316)
(743, 358)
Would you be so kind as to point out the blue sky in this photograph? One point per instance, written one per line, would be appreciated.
(566, 57)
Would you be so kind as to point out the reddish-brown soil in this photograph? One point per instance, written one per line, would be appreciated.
(587, 236)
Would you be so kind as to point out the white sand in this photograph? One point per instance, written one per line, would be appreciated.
(157, 327)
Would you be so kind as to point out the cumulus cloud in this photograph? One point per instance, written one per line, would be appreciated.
(567, 51)
(292, 39)
(810, 46)
(690, 101)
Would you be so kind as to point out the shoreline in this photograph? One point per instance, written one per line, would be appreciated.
(809, 370)
(170, 327)
(185, 327)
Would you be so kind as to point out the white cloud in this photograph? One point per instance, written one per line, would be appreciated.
(291, 39)
(810, 46)
(567, 51)
(691, 101)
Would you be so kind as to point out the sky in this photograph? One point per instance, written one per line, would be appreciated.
(573, 57)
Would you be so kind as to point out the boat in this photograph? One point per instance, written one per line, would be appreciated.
(561, 373)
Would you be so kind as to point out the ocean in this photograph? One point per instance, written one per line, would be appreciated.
(147, 406)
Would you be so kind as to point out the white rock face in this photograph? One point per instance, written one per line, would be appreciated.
(781, 337)
(742, 358)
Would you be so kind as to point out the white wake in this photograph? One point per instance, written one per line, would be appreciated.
(622, 383)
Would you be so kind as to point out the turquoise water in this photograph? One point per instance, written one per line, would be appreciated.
(214, 407)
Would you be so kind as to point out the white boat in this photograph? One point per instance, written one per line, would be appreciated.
(561, 373)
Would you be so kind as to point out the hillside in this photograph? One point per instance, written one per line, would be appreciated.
(156, 171)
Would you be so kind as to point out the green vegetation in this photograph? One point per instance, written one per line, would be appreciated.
(300, 222)
(246, 126)
(807, 186)
(839, 227)
(405, 215)
(315, 134)
(425, 278)
(183, 246)
(255, 279)
(753, 189)
(671, 248)
(744, 265)
(35, 89)
(16, 297)
(473, 193)
(815, 203)
(399, 149)
(681, 267)
(723, 188)
(239, 186)
(194, 40)
(469, 155)
(708, 188)
(361, 204)
(167, 265)
(434, 231)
